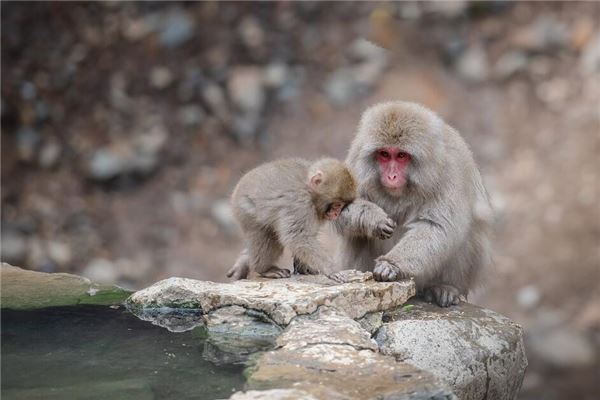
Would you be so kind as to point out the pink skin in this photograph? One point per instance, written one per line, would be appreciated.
(392, 165)
(334, 211)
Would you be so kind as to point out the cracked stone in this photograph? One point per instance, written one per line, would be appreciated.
(478, 352)
(280, 299)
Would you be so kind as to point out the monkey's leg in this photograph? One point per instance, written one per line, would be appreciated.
(241, 268)
(443, 295)
(264, 250)
(303, 269)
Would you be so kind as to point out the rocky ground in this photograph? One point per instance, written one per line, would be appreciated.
(125, 127)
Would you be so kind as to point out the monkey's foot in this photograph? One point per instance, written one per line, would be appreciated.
(304, 269)
(238, 271)
(384, 229)
(385, 271)
(276, 273)
(443, 295)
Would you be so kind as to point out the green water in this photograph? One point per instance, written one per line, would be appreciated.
(101, 353)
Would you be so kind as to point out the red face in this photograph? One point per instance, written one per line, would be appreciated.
(393, 163)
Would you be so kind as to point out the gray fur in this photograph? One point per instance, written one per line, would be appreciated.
(443, 212)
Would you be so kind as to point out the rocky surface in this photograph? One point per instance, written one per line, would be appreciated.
(478, 352)
(281, 299)
(311, 337)
(25, 290)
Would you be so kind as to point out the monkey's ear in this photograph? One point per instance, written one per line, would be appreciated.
(316, 179)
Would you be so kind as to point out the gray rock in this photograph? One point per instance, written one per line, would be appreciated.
(13, 247)
(529, 296)
(28, 91)
(234, 333)
(510, 63)
(172, 319)
(473, 65)
(371, 322)
(215, 98)
(160, 77)
(251, 32)
(280, 299)
(543, 34)
(479, 353)
(341, 87)
(49, 154)
(275, 75)
(590, 56)
(245, 88)
(191, 115)
(139, 154)
(28, 142)
(339, 371)
(105, 164)
(325, 326)
(176, 28)
(223, 214)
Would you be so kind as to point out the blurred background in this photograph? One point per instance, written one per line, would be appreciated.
(125, 127)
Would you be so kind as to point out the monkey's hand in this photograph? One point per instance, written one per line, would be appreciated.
(384, 229)
(385, 271)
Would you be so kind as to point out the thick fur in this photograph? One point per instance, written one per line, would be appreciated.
(277, 207)
(443, 212)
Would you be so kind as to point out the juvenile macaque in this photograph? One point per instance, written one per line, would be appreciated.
(414, 168)
(283, 204)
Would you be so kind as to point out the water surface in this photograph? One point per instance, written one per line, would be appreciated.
(102, 353)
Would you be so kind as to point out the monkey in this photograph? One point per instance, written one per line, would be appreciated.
(416, 169)
(283, 204)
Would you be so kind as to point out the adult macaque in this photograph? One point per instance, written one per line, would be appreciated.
(283, 204)
(419, 171)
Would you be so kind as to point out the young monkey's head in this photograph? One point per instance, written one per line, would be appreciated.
(332, 186)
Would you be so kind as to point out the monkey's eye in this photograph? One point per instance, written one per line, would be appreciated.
(402, 155)
(383, 154)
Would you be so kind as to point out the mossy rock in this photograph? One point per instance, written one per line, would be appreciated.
(28, 290)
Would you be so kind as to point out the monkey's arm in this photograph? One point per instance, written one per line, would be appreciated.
(427, 243)
(365, 219)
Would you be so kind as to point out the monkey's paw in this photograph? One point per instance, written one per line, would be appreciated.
(385, 271)
(304, 269)
(238, 271)
(443, 295)
(384, 229)
(276, 273)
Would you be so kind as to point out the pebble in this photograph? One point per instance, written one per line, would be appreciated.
(245, 88)
(191, 115)
(590, 57)
(341, 87)
(177, 27)
(251, 32)
(49, 154)
(473, 65)
(28, 141)
(160, 77)
(510, 63)
(275, 75)
(529, 296)
(223, 214)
